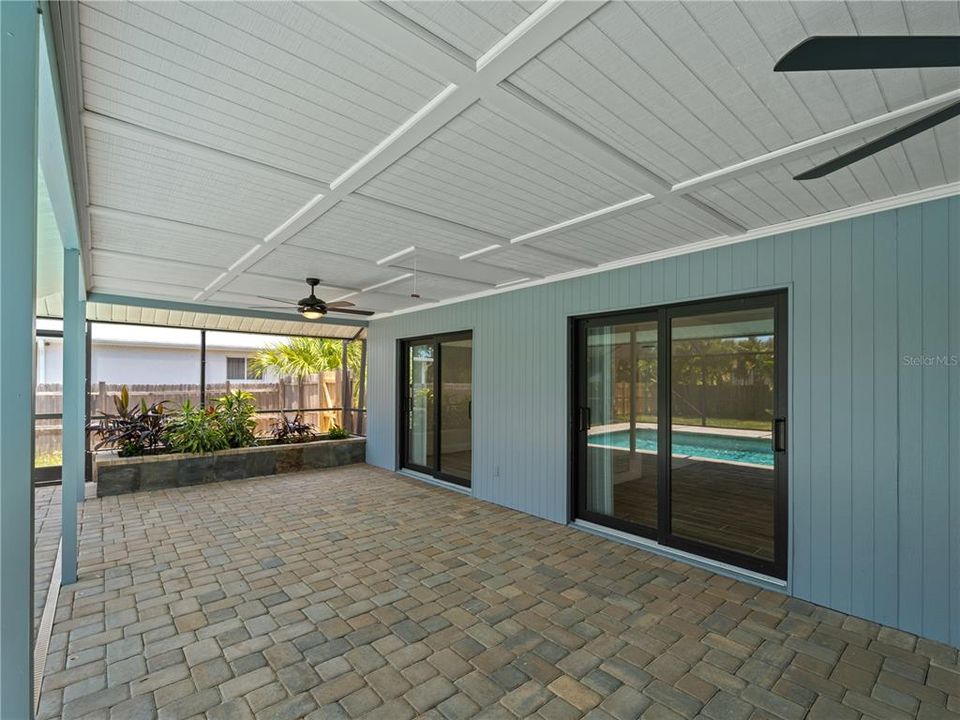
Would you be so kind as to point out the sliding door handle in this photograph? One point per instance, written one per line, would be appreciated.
(780, 435)
(583, 421)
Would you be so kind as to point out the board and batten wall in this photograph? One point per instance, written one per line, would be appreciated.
(874, 417)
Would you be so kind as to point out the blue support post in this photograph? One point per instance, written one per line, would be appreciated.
(18, 240)
(74, 408)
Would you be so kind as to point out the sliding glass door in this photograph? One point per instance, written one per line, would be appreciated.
(436, 406)
(680, 431)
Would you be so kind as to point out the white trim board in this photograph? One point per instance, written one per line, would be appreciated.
(715, 566)
(876, 206)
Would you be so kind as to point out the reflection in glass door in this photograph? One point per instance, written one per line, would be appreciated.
(456, 406)
(421, 372)
(48, 399)
(619, 420)
(679, 429)
(723, 489)
(437, 406)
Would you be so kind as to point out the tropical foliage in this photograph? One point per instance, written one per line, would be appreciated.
(300, 357)
(337, 433)
(132, 430)
(236, 413)
(196, 429)
(290, 430)
(228, 423)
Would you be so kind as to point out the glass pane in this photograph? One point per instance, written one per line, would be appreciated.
(48, 439)
(456, 370)
(722, 390)
(48, 401)
(420, 424)
(621, 375)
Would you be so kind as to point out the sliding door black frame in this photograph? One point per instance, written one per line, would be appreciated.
(404, 402)
(581, 417)
(579, 424)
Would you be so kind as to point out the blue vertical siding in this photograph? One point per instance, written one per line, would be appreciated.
(874, 438)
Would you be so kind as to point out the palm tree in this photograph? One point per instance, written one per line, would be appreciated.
(299, 357)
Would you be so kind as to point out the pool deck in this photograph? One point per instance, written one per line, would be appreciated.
(727, 432)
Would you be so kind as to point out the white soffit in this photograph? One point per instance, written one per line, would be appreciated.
(487, 171)
(688, 88)
(232, 149)
(371, 230)
(471, 28)
(273, 82)
(153, 178)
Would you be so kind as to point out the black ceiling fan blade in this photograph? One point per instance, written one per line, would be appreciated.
(271, 307)
(340, 304)
(273, 299)
(857, 52)
(881, 143)
(351, 312)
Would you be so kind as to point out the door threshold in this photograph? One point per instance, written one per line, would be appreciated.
(423, 477)
(767, 582)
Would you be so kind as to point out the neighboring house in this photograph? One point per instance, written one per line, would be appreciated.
(123, 354)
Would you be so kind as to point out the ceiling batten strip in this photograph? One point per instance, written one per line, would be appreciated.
(826, 141)
(548, 23)
(875, 206)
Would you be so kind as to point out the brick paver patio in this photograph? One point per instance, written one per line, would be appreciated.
(46, 543)
(359, 593)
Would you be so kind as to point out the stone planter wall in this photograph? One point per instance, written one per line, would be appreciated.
(115, 475)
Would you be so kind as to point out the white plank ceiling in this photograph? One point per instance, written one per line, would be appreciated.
(230, 149)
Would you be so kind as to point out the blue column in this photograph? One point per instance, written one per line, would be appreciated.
(18, 240)
(74, 406)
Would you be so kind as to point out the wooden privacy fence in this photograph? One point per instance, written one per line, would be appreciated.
(320, 390)
(738, 402)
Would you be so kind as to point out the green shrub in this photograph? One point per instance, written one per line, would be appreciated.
(235, 413)
(196, 430)
(337, 433)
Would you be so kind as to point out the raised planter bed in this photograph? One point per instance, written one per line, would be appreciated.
(116, 476)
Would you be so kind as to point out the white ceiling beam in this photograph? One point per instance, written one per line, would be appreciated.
(861, 130)
(541, 29)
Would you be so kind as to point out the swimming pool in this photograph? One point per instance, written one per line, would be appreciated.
(756, 451)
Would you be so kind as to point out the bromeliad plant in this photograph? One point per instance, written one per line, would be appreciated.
(291, 430)
(196, 430)
(235, 413)
(133, 430)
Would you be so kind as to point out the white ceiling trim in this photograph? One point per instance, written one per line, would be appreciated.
(876, 206)
(542, 28)
(874, 126)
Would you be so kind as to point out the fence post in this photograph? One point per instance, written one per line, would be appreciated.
(102, 396)
(361, 390)
(345, 398)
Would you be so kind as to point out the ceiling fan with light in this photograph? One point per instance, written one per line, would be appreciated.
(859, 52)
(312, 307)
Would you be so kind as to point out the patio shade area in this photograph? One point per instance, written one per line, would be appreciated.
(377, 596)
(502, 359)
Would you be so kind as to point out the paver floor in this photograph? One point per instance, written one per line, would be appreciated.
(46, 543)
(359, 593)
